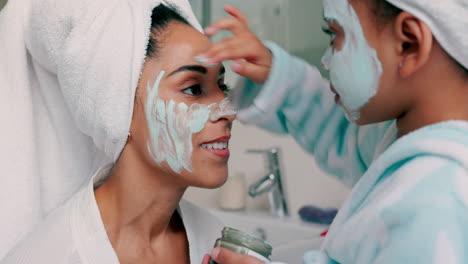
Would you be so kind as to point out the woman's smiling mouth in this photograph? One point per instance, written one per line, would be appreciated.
(219, 147)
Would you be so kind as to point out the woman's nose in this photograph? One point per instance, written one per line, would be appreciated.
(223, 110)
(230, 117)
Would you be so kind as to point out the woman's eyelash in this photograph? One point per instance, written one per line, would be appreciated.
(193, 90)
(225, 87)
(196, 90)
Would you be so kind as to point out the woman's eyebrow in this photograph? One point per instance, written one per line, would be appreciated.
(194, 68)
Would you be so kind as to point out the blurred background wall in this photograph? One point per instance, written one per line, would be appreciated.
(2, 3)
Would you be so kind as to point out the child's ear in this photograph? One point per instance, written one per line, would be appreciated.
(414, 40)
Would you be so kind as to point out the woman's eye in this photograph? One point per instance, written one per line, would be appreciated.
(193, 90)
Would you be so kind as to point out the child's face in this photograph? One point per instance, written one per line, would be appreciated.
(361, 62)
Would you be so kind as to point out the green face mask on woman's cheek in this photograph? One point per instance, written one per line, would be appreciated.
(171, 126)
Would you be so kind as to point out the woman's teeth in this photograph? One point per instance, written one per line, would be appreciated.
(216, 145)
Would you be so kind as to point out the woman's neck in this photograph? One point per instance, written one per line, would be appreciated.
(138, 205)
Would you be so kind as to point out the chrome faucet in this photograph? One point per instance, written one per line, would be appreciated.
(271, 183)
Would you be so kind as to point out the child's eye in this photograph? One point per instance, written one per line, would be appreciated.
(330, 33)
(193, 90)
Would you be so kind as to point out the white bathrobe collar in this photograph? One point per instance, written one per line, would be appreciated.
(87, 228)
(94, 246)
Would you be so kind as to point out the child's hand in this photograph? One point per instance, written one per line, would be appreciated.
(243, 45)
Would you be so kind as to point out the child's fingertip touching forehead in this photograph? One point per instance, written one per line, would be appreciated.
(207, 62)
(199, 69)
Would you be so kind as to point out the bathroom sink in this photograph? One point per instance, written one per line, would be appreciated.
(290, 238)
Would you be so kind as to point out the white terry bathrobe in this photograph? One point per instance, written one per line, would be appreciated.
(75, 234)
(68, 74)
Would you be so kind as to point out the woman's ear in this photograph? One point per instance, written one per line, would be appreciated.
(415, 42)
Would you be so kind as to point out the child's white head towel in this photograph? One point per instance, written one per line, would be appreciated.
(68, 73)
(448, 20)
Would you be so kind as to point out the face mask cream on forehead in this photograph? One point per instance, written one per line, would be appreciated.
(355, 70)
(171, 126)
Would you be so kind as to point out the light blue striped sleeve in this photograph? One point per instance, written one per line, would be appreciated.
(428, 224)
(297, 100)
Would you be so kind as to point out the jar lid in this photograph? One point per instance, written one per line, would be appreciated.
(244, 239)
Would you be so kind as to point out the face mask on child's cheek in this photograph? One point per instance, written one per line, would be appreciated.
(171, 126)
(355, 70)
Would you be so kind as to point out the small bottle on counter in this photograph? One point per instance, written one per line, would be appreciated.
(233, 194)
(243, 243)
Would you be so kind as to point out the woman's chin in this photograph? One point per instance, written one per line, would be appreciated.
(216, 183)
(212, 180)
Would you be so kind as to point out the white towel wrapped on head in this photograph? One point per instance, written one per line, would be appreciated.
(68, 74)
(448, 20)
(96, 49)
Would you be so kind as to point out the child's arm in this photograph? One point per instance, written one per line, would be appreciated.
(284, 94)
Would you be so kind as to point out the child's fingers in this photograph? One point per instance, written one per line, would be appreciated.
(258, 74)
(229, 23)
(229, 49)
(235, 13)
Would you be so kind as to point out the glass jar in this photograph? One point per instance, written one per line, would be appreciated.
(243, 243)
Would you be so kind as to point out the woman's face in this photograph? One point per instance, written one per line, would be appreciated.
(360, 59)
(182, 121)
